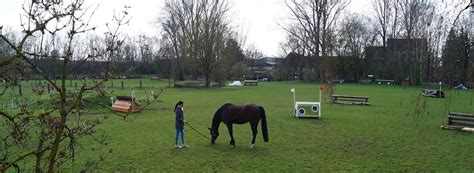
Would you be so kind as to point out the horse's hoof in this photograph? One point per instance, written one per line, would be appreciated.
(252, 146)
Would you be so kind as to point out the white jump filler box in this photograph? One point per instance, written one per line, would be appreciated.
(307, 109)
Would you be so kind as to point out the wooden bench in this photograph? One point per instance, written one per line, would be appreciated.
(352, 100)
(251, 82)
(460, 121)
(384, 81)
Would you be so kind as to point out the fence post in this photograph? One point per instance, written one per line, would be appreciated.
(140, 83)
(19, 89)
(122, 84)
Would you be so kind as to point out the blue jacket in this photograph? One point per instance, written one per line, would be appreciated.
(179, 118)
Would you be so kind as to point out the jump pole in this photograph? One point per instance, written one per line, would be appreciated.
(294, 100)
(321, 89)
(320, 105)
(294, 96)
(133, 95)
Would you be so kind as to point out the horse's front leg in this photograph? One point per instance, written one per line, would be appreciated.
(254, 133)
(232, 142)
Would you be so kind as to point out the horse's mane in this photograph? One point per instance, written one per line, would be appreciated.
(217, 116)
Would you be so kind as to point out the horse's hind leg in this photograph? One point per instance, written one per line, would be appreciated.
(232, 141)
(254, 133)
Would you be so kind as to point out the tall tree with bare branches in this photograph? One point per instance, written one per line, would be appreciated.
(386, 23)
(313, 24)
(198, 30)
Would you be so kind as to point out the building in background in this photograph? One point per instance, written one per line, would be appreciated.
(263, 67)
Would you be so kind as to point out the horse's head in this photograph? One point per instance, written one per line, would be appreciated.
(214, 135)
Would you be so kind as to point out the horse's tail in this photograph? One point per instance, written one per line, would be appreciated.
(264, 124)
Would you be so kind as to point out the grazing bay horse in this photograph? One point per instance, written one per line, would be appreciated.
(231, 114)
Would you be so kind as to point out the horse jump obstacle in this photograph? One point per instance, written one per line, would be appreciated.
(460, 121)
(125, 104)
(299, 107)
(351, 100)
(433, 93)
(251, 82)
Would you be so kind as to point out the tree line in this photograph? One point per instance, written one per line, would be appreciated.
(197, 41)
(418, 41)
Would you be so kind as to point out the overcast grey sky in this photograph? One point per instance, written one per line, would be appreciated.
(257, 19)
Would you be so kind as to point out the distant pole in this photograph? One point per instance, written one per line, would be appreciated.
(140, 83)
(14, 102)
(133, 95)
(19, 89)
(111, 83)
(440, 84)
(122, 84)
(294, 97)
(169, 81)
(320, 103)
(320, 96)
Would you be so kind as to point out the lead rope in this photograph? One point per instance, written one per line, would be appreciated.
(197, 131)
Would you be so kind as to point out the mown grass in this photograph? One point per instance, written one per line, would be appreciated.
(388, 135)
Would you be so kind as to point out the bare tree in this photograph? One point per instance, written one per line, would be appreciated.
(146, 52)
(354, 35)
(293, 44)
(314, 21)
(48, 137)
(198, 30)
(416, 15)
(253, 53)
(386, 14)
(313, 24)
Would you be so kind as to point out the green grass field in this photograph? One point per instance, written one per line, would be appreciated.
(388, 135)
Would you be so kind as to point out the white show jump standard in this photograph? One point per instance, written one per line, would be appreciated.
(299, 107)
